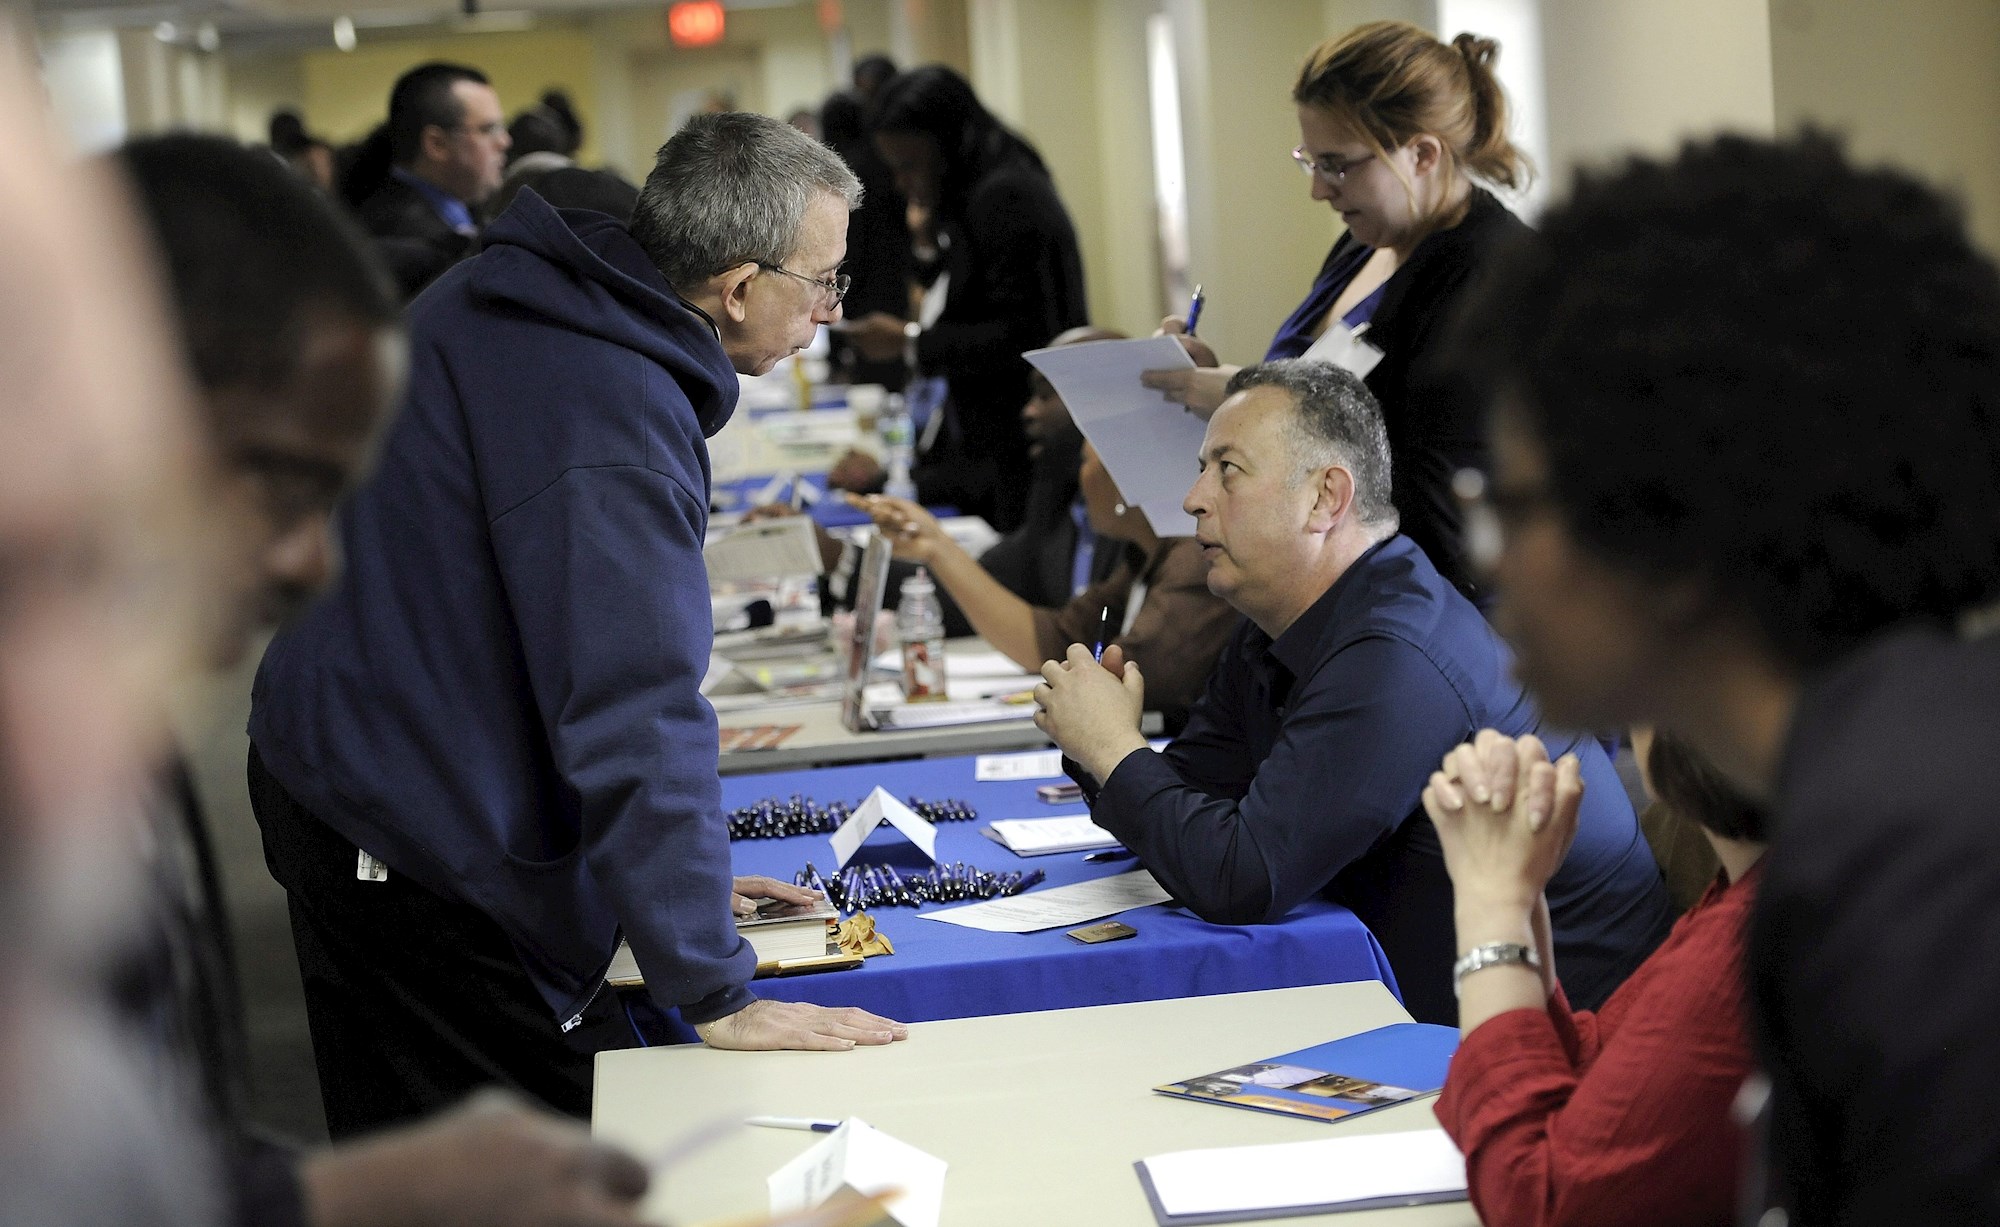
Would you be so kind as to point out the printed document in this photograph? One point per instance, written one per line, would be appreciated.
(1062, 906)
(1150, 445)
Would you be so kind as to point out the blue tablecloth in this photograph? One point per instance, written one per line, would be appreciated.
(946, 971)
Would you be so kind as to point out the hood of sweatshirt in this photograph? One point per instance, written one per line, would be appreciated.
(583, 271)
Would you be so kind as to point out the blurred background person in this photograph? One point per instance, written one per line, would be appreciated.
(1397, 133)
(878, 247)
(293, 335)
(308, 156)
(1011, 278)
(448, 144)
(870, 74)
(102, 568)
(1713, 511)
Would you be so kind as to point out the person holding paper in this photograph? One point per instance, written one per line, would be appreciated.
(1397, 132)
(1573, 1116)
(1156, 602)
(1302, 766)
(482, 755)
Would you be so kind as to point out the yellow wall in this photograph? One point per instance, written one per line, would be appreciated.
(1038, 64)
(1626, 77)
(1255, 235)
(259, 85)
(1915, 84)
(347, 93)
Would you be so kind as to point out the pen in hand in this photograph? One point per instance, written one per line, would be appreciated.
(1103, 621)
(1194, 310)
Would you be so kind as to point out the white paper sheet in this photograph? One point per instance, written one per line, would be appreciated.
(1325, 1172)
(875, 809)
(958, 664)
(860, 1159)
(1028, 765)
(764, 549)
(1150, 445)
(1057, 833)
(1063, 905)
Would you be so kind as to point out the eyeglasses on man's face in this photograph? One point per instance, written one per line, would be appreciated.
(489, 129)
(1326, 166)
(833, 288)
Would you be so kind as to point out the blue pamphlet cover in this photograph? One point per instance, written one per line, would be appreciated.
(1332, 1081)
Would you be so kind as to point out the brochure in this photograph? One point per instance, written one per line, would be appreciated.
(1347, 1077)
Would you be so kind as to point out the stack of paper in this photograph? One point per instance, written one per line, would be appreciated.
(1373, 1171)
(1043, 836)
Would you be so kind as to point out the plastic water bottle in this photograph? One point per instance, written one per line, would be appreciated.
(920, 626)
(898, 446)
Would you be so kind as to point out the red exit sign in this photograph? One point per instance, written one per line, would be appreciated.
(695, 24)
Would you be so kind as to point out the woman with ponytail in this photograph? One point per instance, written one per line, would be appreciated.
(1399, 131)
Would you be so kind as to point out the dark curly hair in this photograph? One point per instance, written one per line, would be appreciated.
(1763, 368)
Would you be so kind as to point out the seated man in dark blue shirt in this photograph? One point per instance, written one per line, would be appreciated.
(1302, 767)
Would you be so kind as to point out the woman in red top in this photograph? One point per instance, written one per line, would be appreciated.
(1570, 1117)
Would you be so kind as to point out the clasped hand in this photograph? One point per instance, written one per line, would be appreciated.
(1505, 816)
(1092, 708)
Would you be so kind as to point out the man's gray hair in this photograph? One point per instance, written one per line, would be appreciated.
(1335, 421)
(730, 189)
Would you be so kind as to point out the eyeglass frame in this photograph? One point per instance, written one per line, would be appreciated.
(1490, 514)
(491, 128)
(1313, 165)
(836, 286)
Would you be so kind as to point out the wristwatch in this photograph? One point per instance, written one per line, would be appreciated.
(1492, 954)
(911, 331)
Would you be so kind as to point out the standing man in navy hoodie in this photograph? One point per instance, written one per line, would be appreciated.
(484, 755)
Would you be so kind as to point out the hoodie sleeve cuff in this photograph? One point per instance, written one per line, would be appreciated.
(719, 1004)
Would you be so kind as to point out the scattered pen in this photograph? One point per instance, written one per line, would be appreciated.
(1194, 310)
(1103, 621)
(793, 1122)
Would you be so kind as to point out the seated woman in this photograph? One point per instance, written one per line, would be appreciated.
(1572, 1117)
(1155, 605)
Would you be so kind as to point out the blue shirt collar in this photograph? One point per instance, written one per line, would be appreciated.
(1298, 649)
(449, 208)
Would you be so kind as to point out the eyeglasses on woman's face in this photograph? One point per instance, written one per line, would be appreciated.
(1326, 166)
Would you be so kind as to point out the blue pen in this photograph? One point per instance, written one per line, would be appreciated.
(1194, 310)
(1103, 620)
(793, 1122)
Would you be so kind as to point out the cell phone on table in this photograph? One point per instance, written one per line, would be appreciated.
(1108, 931)
(1058, 794)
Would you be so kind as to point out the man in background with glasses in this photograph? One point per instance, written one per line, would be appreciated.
(448, 145)
(484, 757)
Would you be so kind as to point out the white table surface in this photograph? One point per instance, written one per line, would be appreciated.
(1040, 1116)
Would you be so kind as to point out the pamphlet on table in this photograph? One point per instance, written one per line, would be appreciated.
(1332, 1081)
(1047, 836)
